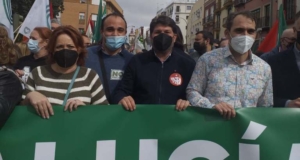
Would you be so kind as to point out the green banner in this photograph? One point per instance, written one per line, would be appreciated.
(151, 133)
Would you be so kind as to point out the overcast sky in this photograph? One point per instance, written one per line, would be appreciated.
(140, 12)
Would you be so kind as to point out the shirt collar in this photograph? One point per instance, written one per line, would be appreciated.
(227, 53)
(159, 59)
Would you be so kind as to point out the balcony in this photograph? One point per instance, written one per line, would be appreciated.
(218, 7)
(228, 3)
(217, 26)
(263, 22)
(209, 19)
(81, 21)
(238, 3)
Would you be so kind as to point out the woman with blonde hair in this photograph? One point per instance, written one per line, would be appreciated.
(8, 53)
(23, 48)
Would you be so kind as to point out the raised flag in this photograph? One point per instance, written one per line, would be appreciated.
(6, 17)
(38, 16)
(90, 28)
(100, 16)
(273, 37)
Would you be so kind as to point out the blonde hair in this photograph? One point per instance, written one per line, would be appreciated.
(23, 48)
(8, 53)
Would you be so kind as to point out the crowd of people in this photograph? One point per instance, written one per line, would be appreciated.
(59, 66)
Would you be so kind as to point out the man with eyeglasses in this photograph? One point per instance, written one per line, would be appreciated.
(232, 77)
(286, 72)
(287, 40)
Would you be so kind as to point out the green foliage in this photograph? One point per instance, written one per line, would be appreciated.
(22, 7)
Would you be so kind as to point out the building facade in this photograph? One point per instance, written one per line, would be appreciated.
(208, 19)
(291, 7)
(78, 12)
(222, 10)
(179, 11)
(194, 23)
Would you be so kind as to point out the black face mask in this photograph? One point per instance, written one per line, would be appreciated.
(65, 58)
(298, 37)
(162, 42)
(200, 48)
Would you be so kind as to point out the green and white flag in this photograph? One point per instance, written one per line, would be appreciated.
(38, 16)
(6, 17)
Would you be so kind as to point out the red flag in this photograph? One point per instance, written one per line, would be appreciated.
(270, 40)
(51, 10)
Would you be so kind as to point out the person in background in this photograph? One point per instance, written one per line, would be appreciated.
(159, 76)
(178, 45)
(224, 42)
(216, 44)
(232, 77)
(24, 49)
(54, 24)
(127, 47)
(8, 51)
(203, 43)
(86, 40)
(286, 72)
(109, 58)
(64, 81)
(37, 43)
(287, 40)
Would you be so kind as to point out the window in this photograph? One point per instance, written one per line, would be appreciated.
(188, 7)
(81, 18)
(267, 10)
(81, 30)
(177, 18)
(212, 10)
(187, 17)
(177, 8)
(82, 1)
(256, 13)
(290, 8)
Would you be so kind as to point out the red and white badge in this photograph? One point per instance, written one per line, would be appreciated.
(175, 79)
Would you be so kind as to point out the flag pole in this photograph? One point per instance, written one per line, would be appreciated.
(18, 28)
(16, 37)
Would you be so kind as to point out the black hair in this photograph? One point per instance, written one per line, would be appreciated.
(207, 35)
(113, 14)
(179, 40)
(163, 20)
(231, 17)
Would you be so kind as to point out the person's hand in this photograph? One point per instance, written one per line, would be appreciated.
(294, 103)
(41, 104)
(19, 73)
(128, 103)
(182, 105)
(226, 110)
(72, 104)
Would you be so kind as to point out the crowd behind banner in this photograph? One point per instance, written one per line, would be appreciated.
(60, 66)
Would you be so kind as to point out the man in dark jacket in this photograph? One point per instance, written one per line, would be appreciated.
(159, 76)
(203, 43)
(286, 41)
(286, 73)
(10, 93)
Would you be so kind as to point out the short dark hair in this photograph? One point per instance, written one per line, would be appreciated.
(232, 16)
(163, 20)
(207, 35)
(113, 14)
